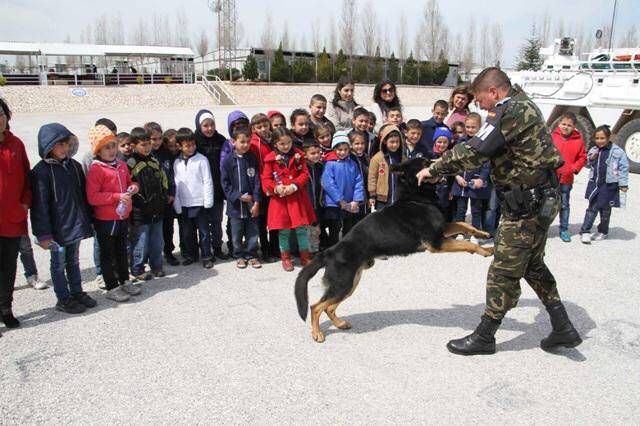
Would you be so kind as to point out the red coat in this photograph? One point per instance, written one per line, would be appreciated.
(105, 183)
(15, 189)
(573, 153)
(260, 148)
(294, 210)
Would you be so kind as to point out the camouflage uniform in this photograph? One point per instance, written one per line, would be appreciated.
(516, 141)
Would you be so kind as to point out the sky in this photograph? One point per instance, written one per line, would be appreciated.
(48, 21)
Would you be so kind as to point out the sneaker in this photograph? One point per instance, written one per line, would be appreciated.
(171, 260)
(84, 299)
(145, 276)
(585, 238)
(207, 263)
(220, 254)
(241, 264)
(473, 240)
(9, 320)
(255, 263)
(35, 282)
(486, 242)
(159, 274)
(117, 294)
(564, 236)
(70, 306)
(100, 281)
(130, 288)
(187, 261)
(460, 237)
(599, 236)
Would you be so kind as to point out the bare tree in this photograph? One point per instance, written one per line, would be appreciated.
(348, 35)
(20, 64)
(457, 49)
(485, 48)
(267, 37)
(116, 30)
(606, 37)
(202, 47)
(369, 29)
(156, 30)
(315, 37)
(182, 38)
(168, 38)
(140, 36)
(385, 44)
(498, 44)
(332, 42)
(70, 60)
(560, 30)
(418, 46)
(434, 30)
(284, 38)
(100, 32)
(630, 37)
(402, 37)
(545, 28)
(303, 45)
(469, 48)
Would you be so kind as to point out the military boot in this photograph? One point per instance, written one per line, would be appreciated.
(563, 332)
(480, 342)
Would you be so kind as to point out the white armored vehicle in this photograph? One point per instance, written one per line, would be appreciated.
(603, 88)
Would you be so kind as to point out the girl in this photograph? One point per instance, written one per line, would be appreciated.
(343, 104)
(284, 178)
(382, 185)
(459, 102)
(458, 132)
(277, 119)
(358, 153)
(323, 136)
(300, 128)
(609, 175)
(385, 97)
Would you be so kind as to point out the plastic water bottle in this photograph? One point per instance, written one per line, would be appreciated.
(53, 246)
(623, 200)
(122, 205)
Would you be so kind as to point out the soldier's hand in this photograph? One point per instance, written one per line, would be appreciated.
(423, 175)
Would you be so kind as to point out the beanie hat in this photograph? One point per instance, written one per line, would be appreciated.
(442, 131)
(99, 137)
(341, 136)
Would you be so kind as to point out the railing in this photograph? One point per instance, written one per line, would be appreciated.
(221, 84)
(91, 79)
(209, 87)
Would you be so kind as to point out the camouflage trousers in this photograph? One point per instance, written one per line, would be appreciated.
(519, 253)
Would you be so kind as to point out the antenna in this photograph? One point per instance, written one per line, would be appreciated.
(227, 34)
(613, 19)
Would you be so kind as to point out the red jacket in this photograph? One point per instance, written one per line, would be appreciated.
(15, 189)
(260, 148)
(105, 183)
(294, 210)
(572, 152)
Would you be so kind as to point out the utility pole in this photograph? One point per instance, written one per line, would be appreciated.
(227, 35)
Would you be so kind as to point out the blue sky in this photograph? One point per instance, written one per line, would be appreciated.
(37, 20)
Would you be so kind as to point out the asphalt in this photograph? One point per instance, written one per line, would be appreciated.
(227, 346)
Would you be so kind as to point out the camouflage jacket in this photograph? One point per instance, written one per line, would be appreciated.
(514, 139)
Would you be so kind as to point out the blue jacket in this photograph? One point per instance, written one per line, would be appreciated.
(617, 165)
(481, 172)
(59, 210)
(426, 139)
(227, 147)
(341, 181)
(240, 175)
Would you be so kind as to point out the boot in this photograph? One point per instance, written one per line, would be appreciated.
(305, 257)
(563, 333)
(8, 319)
(287, 263)
(480, 342)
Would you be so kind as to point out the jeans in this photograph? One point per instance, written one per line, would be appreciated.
(96, 254)
(65, 271)
(200, 224)
(492, 214)
(26, 257)
(590, 217)
(8, 264)
(215, 214)
(146, 245)
(476, 211)
(247, 229)
(565, 191)
(167, 230)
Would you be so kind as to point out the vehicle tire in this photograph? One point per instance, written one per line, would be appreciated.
(583, 125)
(628, 138)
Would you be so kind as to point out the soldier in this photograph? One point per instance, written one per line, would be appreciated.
(523, 160)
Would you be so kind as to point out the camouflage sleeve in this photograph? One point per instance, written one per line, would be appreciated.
(461, 157)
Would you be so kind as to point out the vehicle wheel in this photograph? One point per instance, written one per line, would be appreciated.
(583, 125)
(628, 138)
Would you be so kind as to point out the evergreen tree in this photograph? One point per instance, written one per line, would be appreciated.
(425, 76)
(341, 66)
(376, 71)
(250, 69)
(529, 58)
(410, 71)
(302, 70)
(279, 68)
(393, 68)
(360, 70)
(324, 67)
(440, 70)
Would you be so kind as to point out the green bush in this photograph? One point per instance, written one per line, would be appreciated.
(393, 68)
(280, 70)
(360, 70)
(441, 70)
(425, 77)
(325, 72)
(140, 79)
(3, 80)
(223, 74)
(410, 71)
(250, 69)
(303, 71)
(341, 67)
(168, 79)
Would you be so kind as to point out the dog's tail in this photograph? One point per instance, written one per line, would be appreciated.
(301, 290)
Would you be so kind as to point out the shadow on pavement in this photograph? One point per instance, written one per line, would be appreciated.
(615, 233)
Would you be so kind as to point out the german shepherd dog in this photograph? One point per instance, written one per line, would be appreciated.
(412, 224)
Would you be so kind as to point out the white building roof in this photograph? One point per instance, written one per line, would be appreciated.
(71, 49)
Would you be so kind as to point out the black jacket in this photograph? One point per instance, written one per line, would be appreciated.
(150, 201)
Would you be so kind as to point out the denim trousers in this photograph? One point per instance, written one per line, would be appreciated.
(147, 244)
(26, 257)
(65, 271)
(476, 211)
(565, 191)
(590, 217)
(192, 225)
(244, 232)
(492, 214)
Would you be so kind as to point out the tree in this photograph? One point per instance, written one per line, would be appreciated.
(341, 66)
(529, 58)
(410, 71)
(325, 73)
(468, 58)
(545, 28)
(140, 36)
(485, 47)
(630, 37)
(498, 44)
(202, 47)
(332, 36)
(267, 42)
(284, 40)
(393, 69)
(100, 30)
(376, 70)
(182, 38)
(250, 69)
(279, 67)
(402, 38)
(116, 30)
(360, 73)
(369, 27)
(434, 30)
(440, 70)
(348, 36)
(156, 29)
(302, 70)
(425, 73)
(315, 37)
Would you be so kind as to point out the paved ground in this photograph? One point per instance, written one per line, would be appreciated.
(228, 347)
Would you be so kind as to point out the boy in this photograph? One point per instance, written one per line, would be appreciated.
(394, 116)
(194, 195)
(317, 232)
(148, 207)
(317, 110)
(571, 146)
(382, 184)
(300, 128)
(356, 138)
(360, 122)
(412, 139)
(343, 188)
(124, 146)
(440, 111)
(241, 185)
(60, 215)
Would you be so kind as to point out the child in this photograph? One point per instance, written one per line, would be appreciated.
(124, 146)
(608, 176)
(317, 231)
(458, 132)
(440, 110)
(285, 175)
(29, 264)
(109, 189)
(412, 137)
(356, 138)
(194, 195)
(323, 135)
(382, 185)
(60, 215)
(317, 110)
(155, 134)
(360, 122)
(571, 146)
(148, 207)
(166, 155)
(300, 128)
(372, 122)
(394, 116)
(241, 185)
(343, 188)
(277, 119)
(443, 188)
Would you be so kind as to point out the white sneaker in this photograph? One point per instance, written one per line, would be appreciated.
(459, 237)
(131, 288)
(473, 240)
(487, 242)
(599, 236)
(117, 294)
(100, 282)
(585, 238)
(35, 282)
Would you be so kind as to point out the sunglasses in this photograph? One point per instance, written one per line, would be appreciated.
(388, 90)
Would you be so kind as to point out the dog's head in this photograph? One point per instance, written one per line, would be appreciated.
(408, 182)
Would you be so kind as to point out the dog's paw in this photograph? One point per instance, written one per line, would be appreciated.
(486, 251)
(482, 234)
(343, 325)
(318, 336)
